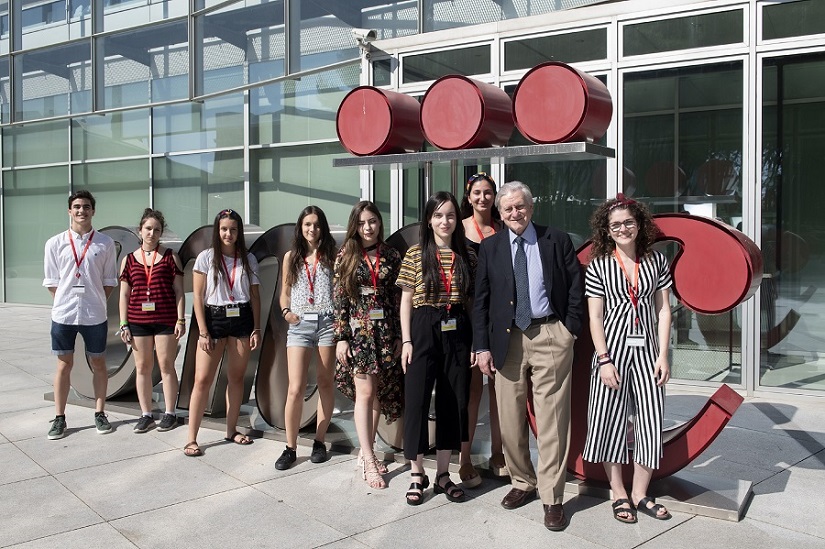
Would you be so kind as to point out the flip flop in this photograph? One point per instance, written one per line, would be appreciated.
(192, 450)
(618, 510)
(244, 440)
(652, 511)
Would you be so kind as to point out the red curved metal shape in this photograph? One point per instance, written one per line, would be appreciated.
(716, 268)
(375, 121)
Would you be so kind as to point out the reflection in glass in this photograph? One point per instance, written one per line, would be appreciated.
(34, 204)
(216, 122)
(119, 187)
(197, 186)
(5, 91)
(431, 66)
(55, 81)
(123, 14)
(793, 19)
(693, 31)
(300, 110)
(112, 135)
(573, 47)
(36, 143)
(448, 14)
(792, 302)
(682, 152)
(284, 180)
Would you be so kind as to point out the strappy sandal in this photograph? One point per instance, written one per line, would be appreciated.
(380, 465)
(469, 476)
(415, 495)
(369, 472)
(449, 489)
(192, 449)
(618, 510)
(243, 440)
(652, 511)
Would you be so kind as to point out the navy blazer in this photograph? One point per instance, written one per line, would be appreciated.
(493, 310)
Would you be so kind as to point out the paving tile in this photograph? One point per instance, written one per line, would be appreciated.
(237, 519)
(17, 466)
(130, 486)
(24, 399)
(98, 536)
(348, 543)
(33, 423)
(40, 507)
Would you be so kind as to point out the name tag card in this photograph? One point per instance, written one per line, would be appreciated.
(448, 325)
(232, 311)
(367, 290)
(310, 316)
(635, 340)
(147, 306)
(376, 314)
(78, 290)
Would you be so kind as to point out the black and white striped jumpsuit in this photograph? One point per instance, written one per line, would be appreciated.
(608, 408)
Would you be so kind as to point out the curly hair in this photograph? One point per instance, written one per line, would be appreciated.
(326, 244)
(352, 251)
(604, 245)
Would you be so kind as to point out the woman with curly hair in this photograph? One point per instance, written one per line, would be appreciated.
(306, 301)
(627, 287)
(367, 331)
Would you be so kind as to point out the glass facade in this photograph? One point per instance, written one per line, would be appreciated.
(191, 107)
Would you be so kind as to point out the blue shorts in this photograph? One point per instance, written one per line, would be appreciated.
(64, 335)
(311, 333)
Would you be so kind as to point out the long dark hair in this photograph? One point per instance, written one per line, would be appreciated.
(466, 207)
(604, 245)
(352, 251)
(430, 257)
(299, 250)
(240, 244)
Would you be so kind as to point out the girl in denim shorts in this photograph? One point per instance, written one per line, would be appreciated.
(306, 301)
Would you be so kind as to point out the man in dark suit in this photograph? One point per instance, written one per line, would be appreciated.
(528, 307)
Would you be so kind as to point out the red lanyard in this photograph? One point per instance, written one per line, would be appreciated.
(632, 286)
(149, 270)
(447, 280)
(230, 279)
(374, 270)
(311, 278)
(478, 229)
(77, 261)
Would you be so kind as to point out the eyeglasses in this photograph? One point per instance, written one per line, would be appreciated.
(627, 224)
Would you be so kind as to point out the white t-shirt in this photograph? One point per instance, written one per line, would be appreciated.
(240, 289)
(79, 301)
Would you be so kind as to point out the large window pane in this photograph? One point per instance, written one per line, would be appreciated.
(682, 151)
(447, 14)
(238, 37)
(121, 14)
(5, 91)
(284, 180)
(793, 19)
(300, 110)
(111, 135)
(55, 81)
(194, 126)
(121, 190)
(37, 143)
(34, 206)
(4, 26)
(431, 66)
(694, 31)
(573, 47)
(193, 188)
(146, 65)
(793, 227)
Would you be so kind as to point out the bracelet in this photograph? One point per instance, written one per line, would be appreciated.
(255, 330)
(604, 355)
(181, 321)
(604, 362)
(204, 335)
(123, 328)
(405, 342)
(285, 310)
(124, 323)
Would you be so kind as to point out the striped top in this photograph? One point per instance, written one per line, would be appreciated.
(161, 293)
(412, 276)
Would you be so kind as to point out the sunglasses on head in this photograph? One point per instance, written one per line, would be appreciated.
(225, 213)
(475, 177)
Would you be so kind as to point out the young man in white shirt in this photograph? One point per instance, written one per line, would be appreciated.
(80, 273)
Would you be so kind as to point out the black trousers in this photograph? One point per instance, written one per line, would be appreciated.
(440, 359)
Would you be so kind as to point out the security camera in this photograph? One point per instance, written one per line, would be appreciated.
(364, 36)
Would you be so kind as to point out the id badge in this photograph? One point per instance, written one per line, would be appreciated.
(376, 314)
(310, 316)
(147, 306)
(78, 290)
(448, 325)
(232, 311)
(635, 340)
(367, 290)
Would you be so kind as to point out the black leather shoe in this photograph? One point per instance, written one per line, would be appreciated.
(319, 452)
(515, 498)
(554, 517)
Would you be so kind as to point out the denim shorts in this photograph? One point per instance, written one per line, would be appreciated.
(142, 330)
(64, 335)
(311, 333)
(220, 326)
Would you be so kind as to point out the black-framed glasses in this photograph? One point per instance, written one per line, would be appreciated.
(627, 224)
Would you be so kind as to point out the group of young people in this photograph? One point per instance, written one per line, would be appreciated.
(484, 292)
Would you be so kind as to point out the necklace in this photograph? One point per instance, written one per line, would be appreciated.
(149, 252)
(371, 248)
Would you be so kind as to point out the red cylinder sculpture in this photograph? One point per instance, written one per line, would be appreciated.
(460, 113)
(375, 121)
(555, 103)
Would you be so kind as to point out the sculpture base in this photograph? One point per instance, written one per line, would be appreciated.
(687, 492)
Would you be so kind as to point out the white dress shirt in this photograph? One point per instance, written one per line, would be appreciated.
(80, 301)
(539, 301)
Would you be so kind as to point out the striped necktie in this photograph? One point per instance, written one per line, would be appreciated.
(524, 313)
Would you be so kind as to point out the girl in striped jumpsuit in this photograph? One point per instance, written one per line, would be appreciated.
(627, 285)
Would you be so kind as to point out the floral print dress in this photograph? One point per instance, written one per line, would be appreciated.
(372, 342)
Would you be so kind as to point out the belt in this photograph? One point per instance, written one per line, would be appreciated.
(541, 320)
(217, 309)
